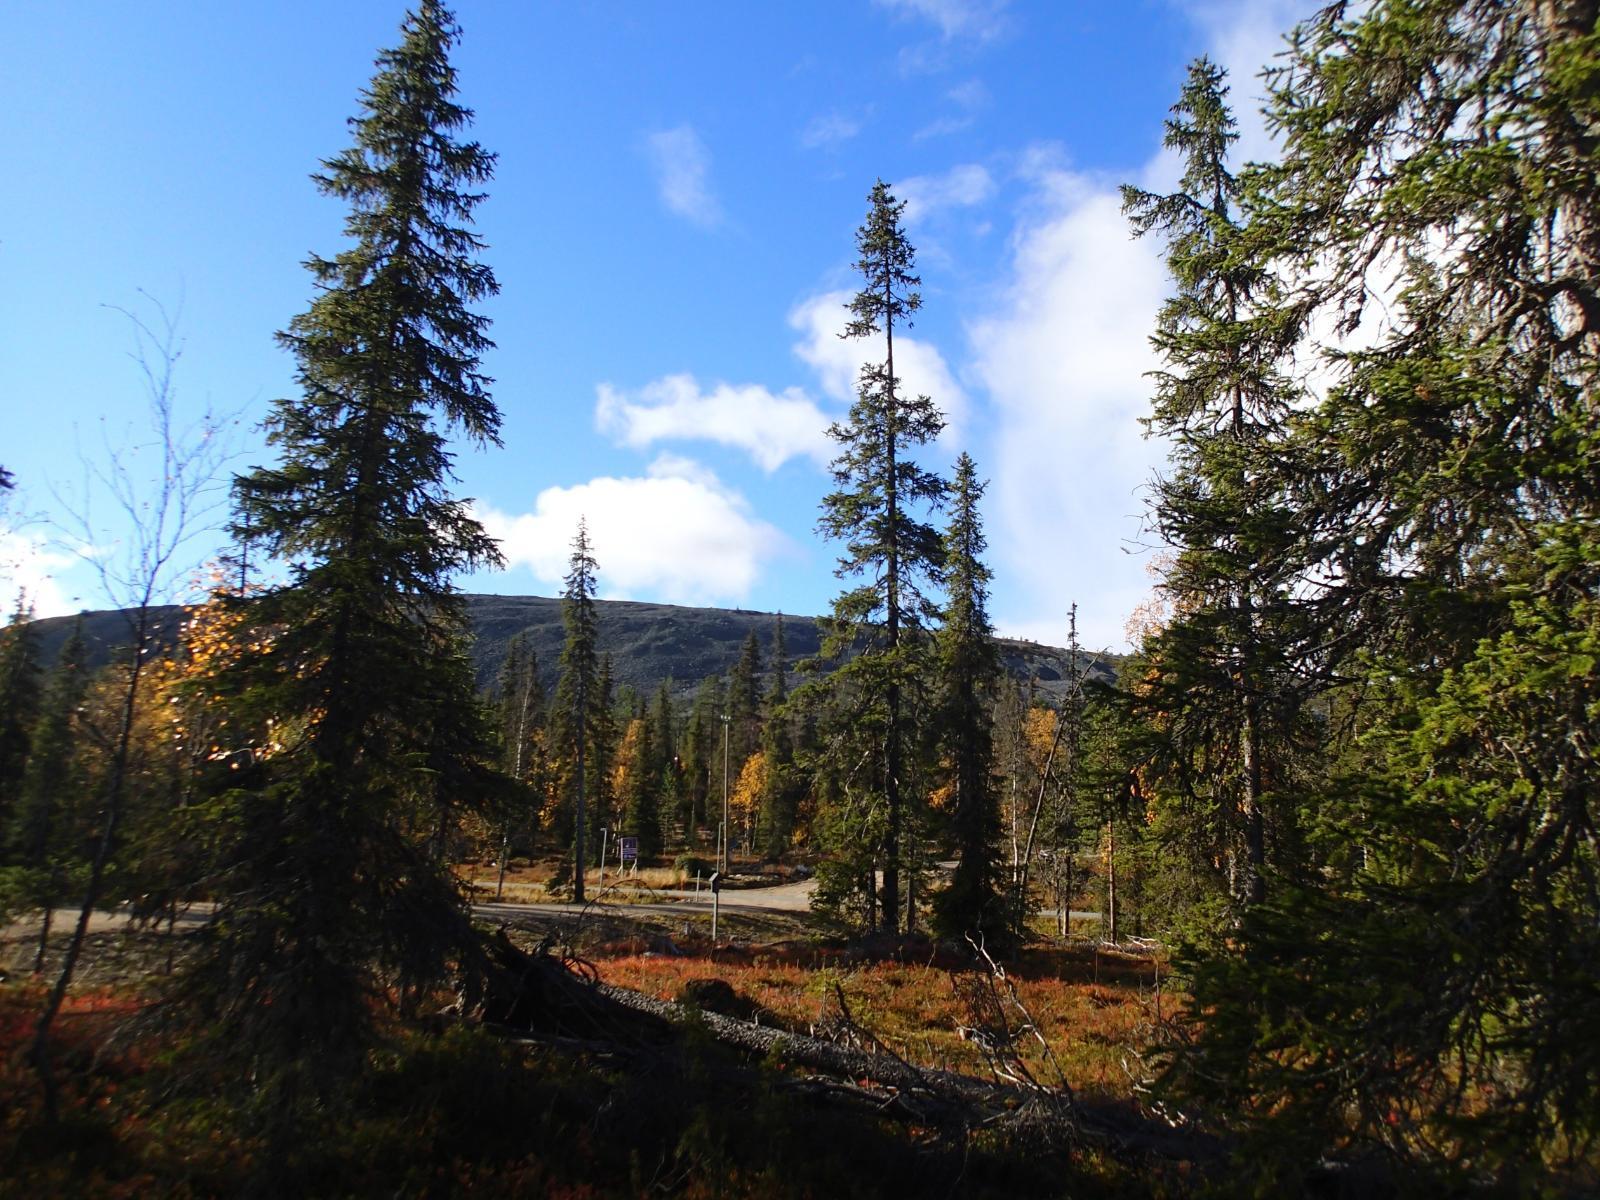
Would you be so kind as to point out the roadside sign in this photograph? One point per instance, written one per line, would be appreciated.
(630, 849)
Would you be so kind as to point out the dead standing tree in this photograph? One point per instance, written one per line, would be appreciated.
(1066, 743)
(160, 513)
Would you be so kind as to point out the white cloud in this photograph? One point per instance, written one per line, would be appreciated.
(1245, 36)
(960, 187)
(683, 169)
(837, 361)
(30, 567)
(982, 20)
(1063, 356)
(772, 428)
(1063, 359)
(829, 129)
(676, 534)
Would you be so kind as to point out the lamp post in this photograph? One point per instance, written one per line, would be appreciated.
(724, 864)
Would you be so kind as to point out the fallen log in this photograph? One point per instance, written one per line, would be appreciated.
(934, 1091)
(540, 998)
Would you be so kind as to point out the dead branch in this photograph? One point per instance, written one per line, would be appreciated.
(536, 998)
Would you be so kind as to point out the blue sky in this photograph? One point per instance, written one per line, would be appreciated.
(671, 223)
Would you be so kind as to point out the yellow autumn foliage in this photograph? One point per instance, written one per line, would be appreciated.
(1038, 735)
(746, 795)
(627, 756)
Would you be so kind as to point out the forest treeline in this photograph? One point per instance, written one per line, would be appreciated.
(1348, 771)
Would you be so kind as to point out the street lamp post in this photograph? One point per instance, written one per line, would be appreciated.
(725, 828)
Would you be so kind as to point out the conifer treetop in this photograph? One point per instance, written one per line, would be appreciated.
(889, 295)
(390, 343)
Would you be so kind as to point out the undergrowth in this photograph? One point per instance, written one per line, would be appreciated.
(1095, 1010)
(462, 1112)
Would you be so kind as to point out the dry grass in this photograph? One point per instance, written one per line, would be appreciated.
(917, 1008)
(527, 884)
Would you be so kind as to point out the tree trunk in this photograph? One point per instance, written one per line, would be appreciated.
(1254, 821)
(39, 1051)
(1111, 882)
(578, 864)
(44, 935)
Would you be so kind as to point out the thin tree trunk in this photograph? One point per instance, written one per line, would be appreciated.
(911, 890)
(1111, 882)
(1033, 825)
(577, 846)
(44, 934)
(1254, 821)
(172, 926)
(891, 865)
(1066, 907)
(39, 1051)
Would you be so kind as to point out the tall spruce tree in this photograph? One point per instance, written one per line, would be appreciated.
(702, 757)
(1429, 995)
(664, 765)
(880, 492)
(782, 782)
(1222, 402)
(578, 696)
(605, 737)
(744, 701)
(332, 901)
(969, 669)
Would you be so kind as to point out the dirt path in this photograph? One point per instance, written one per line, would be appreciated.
(783, 898)
(786, 898)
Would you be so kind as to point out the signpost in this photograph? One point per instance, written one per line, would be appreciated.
(628, 851)
(716, 894)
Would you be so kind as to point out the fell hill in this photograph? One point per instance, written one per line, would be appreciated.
(647, 642)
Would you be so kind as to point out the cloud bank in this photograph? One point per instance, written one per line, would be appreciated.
(1063, 355)
(962, 186)
(675, 534)
(771, 427)
(1063, 360)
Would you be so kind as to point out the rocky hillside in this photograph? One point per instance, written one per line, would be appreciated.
(647, 642)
